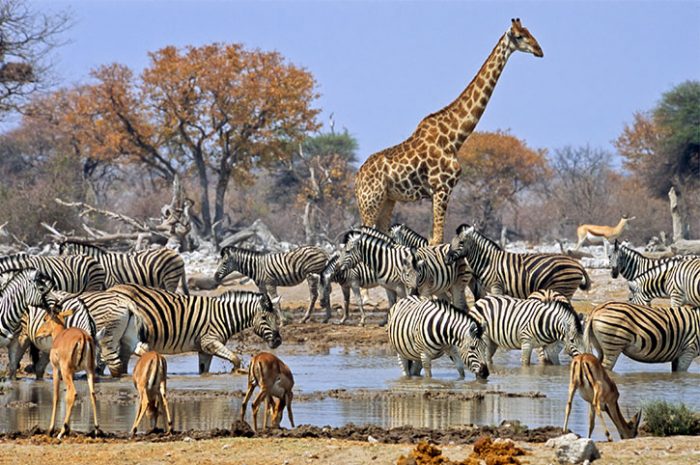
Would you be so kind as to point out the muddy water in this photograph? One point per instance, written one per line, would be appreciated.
(28, 402)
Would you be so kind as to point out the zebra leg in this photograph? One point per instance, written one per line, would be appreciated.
(272, 292)
(609, 359)
(40, 364)
(215, 347)
(204, 362)
(682, 363)
(15, 351)
(312, 281)
(391, 297)
(346, 302)
(527, 353)
(426, 361)
(405, 365)
(457, 359)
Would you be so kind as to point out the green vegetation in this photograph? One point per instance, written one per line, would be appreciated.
(662, 418)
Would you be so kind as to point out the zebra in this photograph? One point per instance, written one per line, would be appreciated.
(426, 272)
(32, 320)
(513, 274)
(630, 264)
(684, 283)
(360, 276)
(421, 330)
(545, 319)
(27, 287)
(383, 258)
(162, 268)
(644, 334)
(270, 270)
(70, 274)
(651, 284)
(172, 323)
(404, 235)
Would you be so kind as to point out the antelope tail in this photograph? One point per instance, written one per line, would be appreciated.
(152, 373)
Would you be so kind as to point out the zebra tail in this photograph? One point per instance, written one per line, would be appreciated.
(589, 340)
(183, 283)
(586, 281)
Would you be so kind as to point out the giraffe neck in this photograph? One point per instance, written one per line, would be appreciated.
(457, 120)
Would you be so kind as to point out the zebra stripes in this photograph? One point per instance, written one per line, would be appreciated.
(32, 320)
(70, 274)
(172, 323)
(684, 283)
(421, 330)
(644, 333)
(545, 318)
(403, 235)
(651, 284)
(631, 264)
(360, 276)
(270, 270)
(162, 268)
(513, 274)
(26, 288)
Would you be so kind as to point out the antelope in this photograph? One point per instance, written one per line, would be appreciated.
(275, 379)
(588, 375)
(72, 350)
(150, 375)
(597, 234)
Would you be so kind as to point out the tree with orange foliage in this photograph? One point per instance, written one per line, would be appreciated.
(216, 111)
(496, 167)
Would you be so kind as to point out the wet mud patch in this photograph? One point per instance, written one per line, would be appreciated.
(486, 450)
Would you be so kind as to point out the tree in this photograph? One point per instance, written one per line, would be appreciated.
(26, 40)
(496, 167)
(662, 146)
(218, 111)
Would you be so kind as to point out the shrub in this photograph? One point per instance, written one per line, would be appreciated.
(662, 418)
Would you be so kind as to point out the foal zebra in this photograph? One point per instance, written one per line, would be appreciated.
(421, 330)
(162, 268)
(360, 276)
(544, 319)
(513, 274)
(172, 323)
(270, 270)
(70, 274)
(644, 333)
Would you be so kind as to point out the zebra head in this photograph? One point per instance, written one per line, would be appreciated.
(412, 273)
(614, 258)
(266, 323)
(458, 244)
(227, 265)
(38, 293)
(474, 350)
(349, 251)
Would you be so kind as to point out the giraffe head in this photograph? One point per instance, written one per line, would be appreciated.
(521, 39)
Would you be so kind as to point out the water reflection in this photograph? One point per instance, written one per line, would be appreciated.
(28, 402)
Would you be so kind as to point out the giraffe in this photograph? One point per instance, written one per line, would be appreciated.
(425, 165)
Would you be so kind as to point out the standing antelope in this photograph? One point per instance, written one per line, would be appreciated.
(72, 350)
(588, 375)
(597, 234)
(275, 379)
(150, 375)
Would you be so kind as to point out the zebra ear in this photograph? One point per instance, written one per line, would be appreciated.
(276, 300)
(100, 334)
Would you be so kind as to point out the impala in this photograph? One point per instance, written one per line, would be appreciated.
(150, 375)
(275, 380)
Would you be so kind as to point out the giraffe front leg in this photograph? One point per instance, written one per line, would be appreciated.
(440, 200)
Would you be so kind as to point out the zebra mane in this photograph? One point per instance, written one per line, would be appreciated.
(487, 240)
(373, 232)
(239, 295)
(233, 249)
(62, 246)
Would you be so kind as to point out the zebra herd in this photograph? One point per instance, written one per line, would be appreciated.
(129, 302)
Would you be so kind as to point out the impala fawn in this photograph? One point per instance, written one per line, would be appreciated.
(588, 375)
(72, 350)
(275, 380)
(150, 375)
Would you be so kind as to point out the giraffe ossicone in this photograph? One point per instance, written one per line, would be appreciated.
(425, 165)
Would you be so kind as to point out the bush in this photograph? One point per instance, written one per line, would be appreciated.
(662, 418)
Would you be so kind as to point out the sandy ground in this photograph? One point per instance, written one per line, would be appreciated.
(348, 445)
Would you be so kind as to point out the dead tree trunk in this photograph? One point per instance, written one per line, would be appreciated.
(175, 220)
(676, 214)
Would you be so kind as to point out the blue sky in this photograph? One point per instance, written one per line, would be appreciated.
(382, 66)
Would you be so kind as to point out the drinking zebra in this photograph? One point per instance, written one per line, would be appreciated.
(172, 323)
(545, 319)
(360, 276)
(644, 333)
(421, 330)
(162, 268)
(270, 270)
(513, 274)
(70, 274)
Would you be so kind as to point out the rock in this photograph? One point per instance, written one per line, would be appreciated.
(372, 440)
(569, 449)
